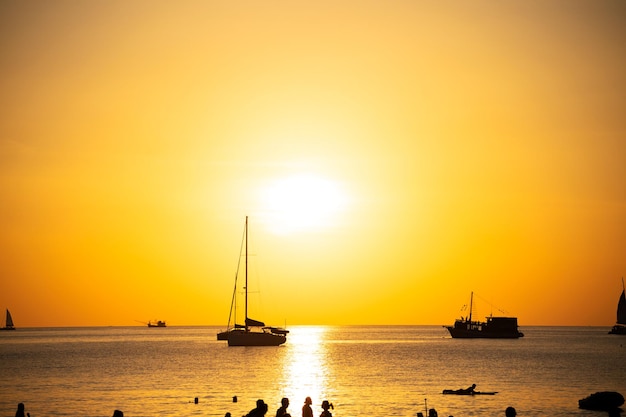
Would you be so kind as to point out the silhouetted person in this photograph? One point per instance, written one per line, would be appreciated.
(325, 406)
(282, 411)
(118, 413)
(470, 389)
(20, 411)
(259, 411)
(510, 412)
(307, 411)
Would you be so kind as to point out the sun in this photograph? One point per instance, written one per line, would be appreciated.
(302, 202)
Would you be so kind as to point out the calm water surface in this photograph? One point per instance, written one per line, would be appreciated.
(363, 370)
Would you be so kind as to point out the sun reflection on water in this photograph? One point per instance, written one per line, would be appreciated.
(305, 370)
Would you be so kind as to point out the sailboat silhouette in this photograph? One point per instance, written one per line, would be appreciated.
(252, 332)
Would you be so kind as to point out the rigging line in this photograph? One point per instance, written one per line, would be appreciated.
(492, 305)
(255, 271)
(233, 302)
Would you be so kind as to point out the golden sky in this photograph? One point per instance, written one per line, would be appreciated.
(392, 157)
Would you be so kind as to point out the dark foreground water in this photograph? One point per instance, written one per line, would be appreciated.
(369, 370)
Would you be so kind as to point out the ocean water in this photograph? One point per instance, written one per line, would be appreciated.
(362, 370)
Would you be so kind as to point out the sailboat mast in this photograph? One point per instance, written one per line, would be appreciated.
(246, 309)
(471, 302)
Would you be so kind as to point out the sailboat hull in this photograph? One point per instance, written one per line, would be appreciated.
(223, 335)
(251, 338)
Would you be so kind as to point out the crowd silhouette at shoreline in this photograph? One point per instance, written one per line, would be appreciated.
(261, 410)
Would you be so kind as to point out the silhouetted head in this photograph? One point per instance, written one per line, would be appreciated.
(285, 402)
(260, 403)
(510, 412)
(308, 401)
(326, 405)
(20, 407)
(432, 413)
(118, 413)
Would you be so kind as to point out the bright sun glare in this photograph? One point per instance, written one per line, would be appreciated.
(303, 202)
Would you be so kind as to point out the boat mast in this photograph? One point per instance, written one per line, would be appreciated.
(246, 309)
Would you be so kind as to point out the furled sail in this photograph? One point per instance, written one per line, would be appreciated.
(251, 322)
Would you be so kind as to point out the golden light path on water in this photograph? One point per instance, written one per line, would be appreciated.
(304, 373)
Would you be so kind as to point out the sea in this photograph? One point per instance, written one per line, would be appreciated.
(361, 370)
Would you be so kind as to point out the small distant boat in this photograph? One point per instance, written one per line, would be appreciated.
(493, 328)
(252, 332)
(620, 324)
(158, 323)
(9, 322)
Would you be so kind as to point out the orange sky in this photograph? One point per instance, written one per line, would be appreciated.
(392, 157)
